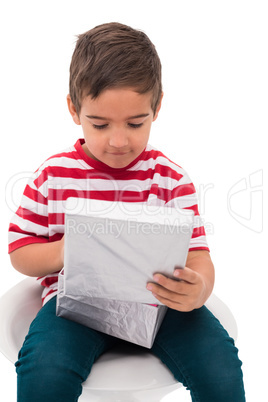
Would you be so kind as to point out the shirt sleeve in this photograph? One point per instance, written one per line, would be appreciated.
(30, 222)
(184, 196)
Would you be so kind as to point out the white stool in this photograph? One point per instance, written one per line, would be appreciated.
(122, 375)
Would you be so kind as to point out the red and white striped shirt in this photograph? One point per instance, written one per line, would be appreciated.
(151, 178)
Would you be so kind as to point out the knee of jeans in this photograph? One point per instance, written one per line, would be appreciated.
(222, 363)
(48, 363)
(42, 378)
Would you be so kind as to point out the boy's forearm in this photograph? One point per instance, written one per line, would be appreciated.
(200, 262)
(38, 259)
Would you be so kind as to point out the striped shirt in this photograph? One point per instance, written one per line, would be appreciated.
(151, 178)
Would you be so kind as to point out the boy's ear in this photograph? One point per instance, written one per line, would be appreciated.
(72, 110)
(158, 107)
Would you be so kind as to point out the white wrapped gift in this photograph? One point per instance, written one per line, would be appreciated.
(112, 250)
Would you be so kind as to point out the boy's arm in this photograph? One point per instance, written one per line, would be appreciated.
(39, 259)
(195, 285)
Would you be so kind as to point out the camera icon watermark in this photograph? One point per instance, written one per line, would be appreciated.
(245, 201)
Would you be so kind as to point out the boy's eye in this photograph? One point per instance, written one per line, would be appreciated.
(132, 125)
(103, 126)
(100, 127)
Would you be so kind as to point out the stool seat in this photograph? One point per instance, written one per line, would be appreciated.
(125, 373)
(129, 370)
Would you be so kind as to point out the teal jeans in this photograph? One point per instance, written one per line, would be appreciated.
(57, 356)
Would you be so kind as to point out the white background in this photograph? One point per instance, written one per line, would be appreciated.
(213, 123)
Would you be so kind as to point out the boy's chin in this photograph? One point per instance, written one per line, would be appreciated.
(117, 165)
(118, 160)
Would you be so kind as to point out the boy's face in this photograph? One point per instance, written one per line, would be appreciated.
(116, 125)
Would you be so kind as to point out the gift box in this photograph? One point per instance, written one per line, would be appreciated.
(112, 250)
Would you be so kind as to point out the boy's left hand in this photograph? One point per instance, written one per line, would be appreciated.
(184, 295)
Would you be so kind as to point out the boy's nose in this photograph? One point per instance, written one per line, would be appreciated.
(118, 139)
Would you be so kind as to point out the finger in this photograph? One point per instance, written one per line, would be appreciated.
(175, 305)
(170, 284)
(159, 291)
(173, 294)
(186, 274)
(167, 302)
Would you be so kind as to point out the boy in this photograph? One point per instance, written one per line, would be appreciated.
(115, 95)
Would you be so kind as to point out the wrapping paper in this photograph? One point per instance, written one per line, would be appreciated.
(110, 255)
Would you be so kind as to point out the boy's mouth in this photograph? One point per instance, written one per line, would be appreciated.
(118, 153)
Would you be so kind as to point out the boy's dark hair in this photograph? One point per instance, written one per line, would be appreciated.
(114, 55)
